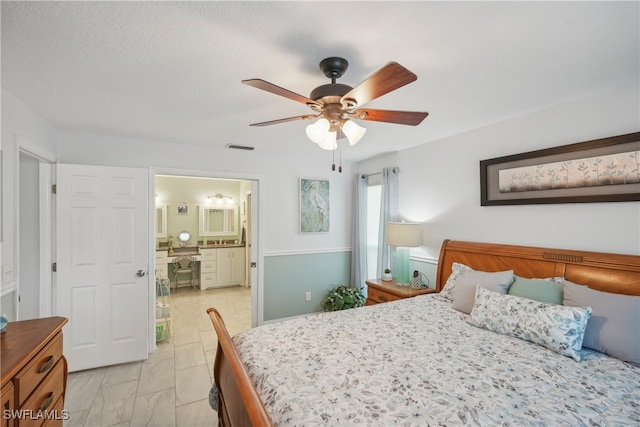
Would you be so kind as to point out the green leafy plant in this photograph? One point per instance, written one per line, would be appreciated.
(342, 297)
(387, 271)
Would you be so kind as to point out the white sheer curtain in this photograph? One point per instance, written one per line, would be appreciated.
(359, 251)
(388, 212)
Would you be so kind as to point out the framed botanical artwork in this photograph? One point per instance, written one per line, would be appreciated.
(314, 199)
(183, 208)
(602, 170)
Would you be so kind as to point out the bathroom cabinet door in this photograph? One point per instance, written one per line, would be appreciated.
(237, 265)
(230, 266)
(223, 272)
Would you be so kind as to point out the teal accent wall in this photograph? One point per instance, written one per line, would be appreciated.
(287, 278)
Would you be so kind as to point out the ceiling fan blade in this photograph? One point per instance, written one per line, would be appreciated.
(389, 78)
(288, 119)
(412, 118)
(270, 87)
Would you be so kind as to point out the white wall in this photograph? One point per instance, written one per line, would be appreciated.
(440, 182)
(280, 176)
(18, 120)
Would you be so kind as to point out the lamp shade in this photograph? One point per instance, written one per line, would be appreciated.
(404, 234)
(317, 132)
(329, 142)
(353, 131)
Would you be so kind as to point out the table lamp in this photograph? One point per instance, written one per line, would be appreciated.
(403, 235)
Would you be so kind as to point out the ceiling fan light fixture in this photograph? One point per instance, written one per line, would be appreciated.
(329, 142)
(317, 132)
(353, 131)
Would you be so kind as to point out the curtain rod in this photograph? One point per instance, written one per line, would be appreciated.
(395, 169)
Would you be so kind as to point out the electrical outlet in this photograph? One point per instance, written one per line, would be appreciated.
(307, 296)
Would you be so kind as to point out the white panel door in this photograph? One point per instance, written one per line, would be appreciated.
(102, 251)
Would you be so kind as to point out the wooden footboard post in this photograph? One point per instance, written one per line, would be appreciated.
(238, 401)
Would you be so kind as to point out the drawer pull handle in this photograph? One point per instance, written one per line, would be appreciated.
(382, 298)
(46, 403)
(47, 365)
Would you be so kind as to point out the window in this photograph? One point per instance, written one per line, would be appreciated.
(374, 193)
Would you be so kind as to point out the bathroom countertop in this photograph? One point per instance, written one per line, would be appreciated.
(194, 250)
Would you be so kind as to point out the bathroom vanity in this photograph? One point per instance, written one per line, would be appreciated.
(218, 265)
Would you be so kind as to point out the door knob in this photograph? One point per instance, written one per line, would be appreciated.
(140, 273)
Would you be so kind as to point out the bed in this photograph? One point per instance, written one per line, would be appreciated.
(419, 361)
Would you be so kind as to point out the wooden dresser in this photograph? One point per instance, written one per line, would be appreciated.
(381, 291)
(34, 373)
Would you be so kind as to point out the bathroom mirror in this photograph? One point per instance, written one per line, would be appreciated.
(218, 220)
(184, 237)
(161, 220)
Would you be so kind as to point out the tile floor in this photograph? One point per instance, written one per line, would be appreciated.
(171, 387)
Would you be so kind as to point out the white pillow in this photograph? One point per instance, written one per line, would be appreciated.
(465, 289)
(450, 284)
(556, 327)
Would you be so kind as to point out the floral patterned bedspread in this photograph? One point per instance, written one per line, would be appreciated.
(417, 362)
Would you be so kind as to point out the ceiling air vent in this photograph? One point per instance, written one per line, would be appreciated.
(240, 147)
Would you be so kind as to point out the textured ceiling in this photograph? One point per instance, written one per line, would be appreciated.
(172, 70)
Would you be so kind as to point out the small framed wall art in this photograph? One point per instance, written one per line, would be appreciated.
(183, 208)
(314, 197)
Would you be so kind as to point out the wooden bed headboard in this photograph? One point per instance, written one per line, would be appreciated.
(602, 271)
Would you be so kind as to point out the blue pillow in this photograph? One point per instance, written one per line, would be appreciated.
(543, 290)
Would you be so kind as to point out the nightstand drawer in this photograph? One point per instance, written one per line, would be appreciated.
(379, 296)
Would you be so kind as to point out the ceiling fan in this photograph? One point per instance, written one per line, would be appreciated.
(335, 103)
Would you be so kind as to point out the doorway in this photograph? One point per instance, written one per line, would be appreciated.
(184, 198)
(34, 231)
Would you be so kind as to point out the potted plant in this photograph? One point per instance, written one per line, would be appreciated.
(386, 276)
(342, 297)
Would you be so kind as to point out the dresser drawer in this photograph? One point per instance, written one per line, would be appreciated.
(209, 254)
(57, 415)
(379, 296)
(7, 404)
(32, 374)
(207, 266)
(207, 279)
(45, 397)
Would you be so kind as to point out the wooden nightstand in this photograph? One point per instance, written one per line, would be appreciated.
(381, 291)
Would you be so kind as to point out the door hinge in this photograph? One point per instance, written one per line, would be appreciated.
(54, 267)
(54, 188)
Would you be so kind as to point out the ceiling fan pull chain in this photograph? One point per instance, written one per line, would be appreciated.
(333, 154)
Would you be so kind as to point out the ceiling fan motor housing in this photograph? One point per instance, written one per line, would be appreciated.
(333, 67)
(331, 89)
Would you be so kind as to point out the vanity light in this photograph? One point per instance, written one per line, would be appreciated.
(221, 198)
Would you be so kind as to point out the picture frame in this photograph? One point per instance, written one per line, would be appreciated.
(182, 208)
(600, 170)
(314, 203)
